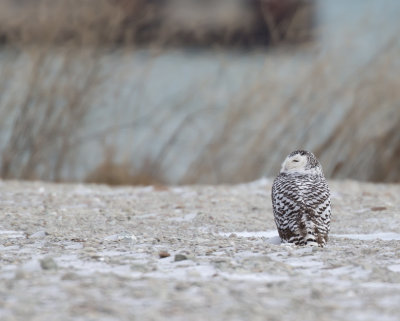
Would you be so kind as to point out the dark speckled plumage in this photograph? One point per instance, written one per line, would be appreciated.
(301, 203)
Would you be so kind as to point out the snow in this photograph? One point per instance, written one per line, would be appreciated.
(254, 277)
(272, 237)
(276, 240)
(186, 218)
(266, 234)
(121, 237)
(384, 236)
(12, 234)
(394, 267)
(38, 234)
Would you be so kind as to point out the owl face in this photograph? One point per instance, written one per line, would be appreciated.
(301, 162)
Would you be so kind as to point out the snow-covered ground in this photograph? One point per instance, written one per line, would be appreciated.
(85, 252)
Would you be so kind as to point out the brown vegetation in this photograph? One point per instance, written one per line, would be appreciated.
(364, 144)
(148, 22)
(113, 173)
(48, 99)
(41, 116)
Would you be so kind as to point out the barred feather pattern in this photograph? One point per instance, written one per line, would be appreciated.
(302, 208)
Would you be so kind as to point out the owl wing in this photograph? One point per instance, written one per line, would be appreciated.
(287, 206)
(316, 197)
(314, 222)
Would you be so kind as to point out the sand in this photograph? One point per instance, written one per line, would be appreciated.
(89, 252)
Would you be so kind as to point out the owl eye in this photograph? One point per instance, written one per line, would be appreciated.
(295, 160)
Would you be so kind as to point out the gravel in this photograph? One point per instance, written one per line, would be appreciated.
(88, 252)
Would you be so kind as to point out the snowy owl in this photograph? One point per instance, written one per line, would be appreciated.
(301, 200)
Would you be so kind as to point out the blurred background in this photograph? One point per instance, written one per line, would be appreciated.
(197, 91)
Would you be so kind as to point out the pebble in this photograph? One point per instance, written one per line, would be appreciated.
(39, 235)
(31, 266)
(48, 263)
(121, 237)
(140, 267)
(180, 257)
(163, 254)
(20, 274)
(70, 276)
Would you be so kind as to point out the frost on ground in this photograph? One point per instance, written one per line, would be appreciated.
(85, 252)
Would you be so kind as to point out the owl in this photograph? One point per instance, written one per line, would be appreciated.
(301, 201)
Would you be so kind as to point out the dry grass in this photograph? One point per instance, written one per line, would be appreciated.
(363, 143)
(156, 23)
(49, 100)
(67, 22)
(41, 116)
(113, 173)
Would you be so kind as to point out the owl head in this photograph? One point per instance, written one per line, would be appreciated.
(301, 162)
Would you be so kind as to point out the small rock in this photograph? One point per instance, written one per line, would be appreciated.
(90, 249)
(76, 246)
(378, 208)
(316, 249)
(181, 286)
(20, 274)
(316, 293)
(112, 238)
(39, 235)
(48, 263)
(180, 257)
(163, 254)
(31, 266)
(77, 239)
(70, 276)
(97, 256)
(193, 274)
(121, 237)
(139, 267)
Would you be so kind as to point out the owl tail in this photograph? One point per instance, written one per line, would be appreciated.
(310, 234)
